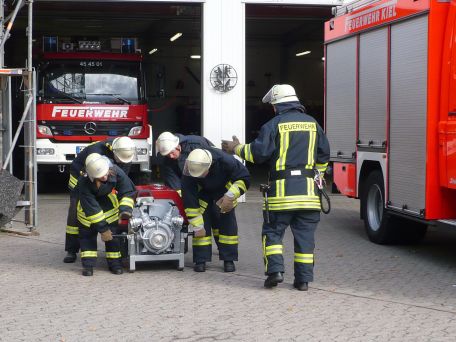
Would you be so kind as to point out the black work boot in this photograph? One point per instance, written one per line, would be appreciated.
(69, 258)
(228, 266)
(273, 279)
(301, 285)
(116, 270)
(199, 267)
(87, 271)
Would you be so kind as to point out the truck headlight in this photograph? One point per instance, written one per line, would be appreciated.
(45, 151)
(135, 131)
(141, 151)
(45, 130)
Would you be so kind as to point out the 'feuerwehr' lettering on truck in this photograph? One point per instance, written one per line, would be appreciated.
(371, 16)
(102, 112)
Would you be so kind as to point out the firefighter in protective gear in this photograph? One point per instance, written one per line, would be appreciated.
(174, 150)
(121, 150)
(294, 145)
(210, 176)
(104, 193)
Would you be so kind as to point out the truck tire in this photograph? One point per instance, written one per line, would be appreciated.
(379, 225)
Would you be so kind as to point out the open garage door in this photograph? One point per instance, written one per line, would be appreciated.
(165, 79)
(284, 44)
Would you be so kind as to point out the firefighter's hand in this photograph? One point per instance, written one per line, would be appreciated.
(226, 203)
(199, 231)
(124, 215)
(229, 146)
(106, 236)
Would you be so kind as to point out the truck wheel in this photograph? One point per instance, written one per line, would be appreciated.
(378, 224)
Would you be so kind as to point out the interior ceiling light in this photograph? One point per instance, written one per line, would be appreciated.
(323, 59)
(302, 53)
(152, 51)
(176, 36)
(195, 56)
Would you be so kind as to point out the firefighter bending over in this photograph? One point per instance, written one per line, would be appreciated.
(211, 176)
(294, 145)
(120, 150)
(175, 149)
(98, 210)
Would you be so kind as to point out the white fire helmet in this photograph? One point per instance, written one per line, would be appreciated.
(96, 165)
(280, 93)
(166, 143)
(198, 163)
(124, 149)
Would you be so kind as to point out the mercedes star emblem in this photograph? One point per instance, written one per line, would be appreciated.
(90, 128)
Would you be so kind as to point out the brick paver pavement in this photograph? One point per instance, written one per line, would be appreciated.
(362, 292)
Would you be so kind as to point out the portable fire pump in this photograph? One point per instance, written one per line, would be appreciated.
(157, 230)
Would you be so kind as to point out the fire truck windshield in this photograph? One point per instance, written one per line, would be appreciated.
(87, 81)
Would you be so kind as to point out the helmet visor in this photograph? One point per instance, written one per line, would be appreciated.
(196, 169)
(268, 97)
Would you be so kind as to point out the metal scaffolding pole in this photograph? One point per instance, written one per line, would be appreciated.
(28, 119)
(30, 132)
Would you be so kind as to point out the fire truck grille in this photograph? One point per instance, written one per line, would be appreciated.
(75, 128)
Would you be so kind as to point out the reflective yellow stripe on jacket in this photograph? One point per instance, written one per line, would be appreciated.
(284, 143)
(110, 216)
(195, 218)
(72, 182)
(127, 201)
(72, 230)
(244, 152)
(237, 187)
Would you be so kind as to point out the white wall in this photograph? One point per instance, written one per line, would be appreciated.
(223, 43)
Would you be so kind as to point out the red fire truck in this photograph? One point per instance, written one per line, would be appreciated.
(390, 112)
(89, 90)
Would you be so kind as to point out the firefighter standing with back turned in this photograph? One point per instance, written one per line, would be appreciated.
(175, 148)
(294, 145)
(120, 150)
(211, 176)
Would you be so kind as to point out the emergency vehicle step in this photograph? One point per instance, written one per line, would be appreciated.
(448, 222)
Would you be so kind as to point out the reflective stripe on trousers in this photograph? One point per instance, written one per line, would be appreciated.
(303, 224)
(88, 238)
(227, 238)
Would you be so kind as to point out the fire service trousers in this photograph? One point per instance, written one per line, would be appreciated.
(88, 240)
(303, 224)
(72, 227)
(226, 226)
